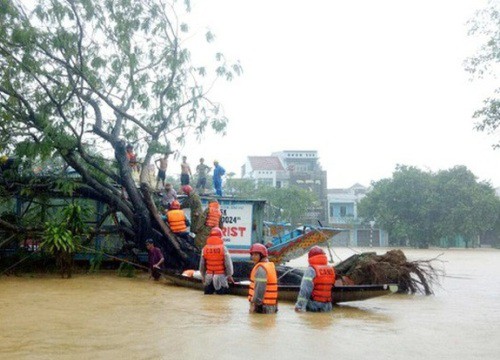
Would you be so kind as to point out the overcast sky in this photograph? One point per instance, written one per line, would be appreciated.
(368, 84)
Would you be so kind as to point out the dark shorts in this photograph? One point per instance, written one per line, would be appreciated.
(210, 289)
(202, 183)
(184, 179)
(266, 309)
(161, 174)
(156, 273)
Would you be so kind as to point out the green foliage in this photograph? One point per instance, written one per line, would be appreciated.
(57, 238)
(292, 201)
(77, 77)
(96, 262)
(64, 234)
(288, 204)
(126, 270)
(486, 26)
(422, 207)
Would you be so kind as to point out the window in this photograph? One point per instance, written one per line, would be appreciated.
(343, 211)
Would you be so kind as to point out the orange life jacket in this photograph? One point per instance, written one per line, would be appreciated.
(271, 294)
(324, 279)
(214, 214)
(177, 220)
(213, 252)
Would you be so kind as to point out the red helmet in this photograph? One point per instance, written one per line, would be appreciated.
(258, 248)
(187, 189)
(216, 231)
(175, 205)
(315, 250)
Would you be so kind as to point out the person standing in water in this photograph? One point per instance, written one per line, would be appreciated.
(316, 287)
(263, 291)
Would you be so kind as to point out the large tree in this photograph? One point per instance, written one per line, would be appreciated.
(486, 26)
(80, 79)
(422, 207)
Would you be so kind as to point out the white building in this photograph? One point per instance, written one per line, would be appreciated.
(343, 213)
(265, 170)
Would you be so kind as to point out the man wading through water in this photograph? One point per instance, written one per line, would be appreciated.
(155, 258)
(316, 287)
(263, 292)
(216, 266)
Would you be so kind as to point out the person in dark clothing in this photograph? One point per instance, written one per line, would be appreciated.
(155, 258)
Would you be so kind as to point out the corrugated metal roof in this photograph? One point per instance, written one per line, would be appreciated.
(266, 163)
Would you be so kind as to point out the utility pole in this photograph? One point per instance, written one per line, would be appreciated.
(372, 223)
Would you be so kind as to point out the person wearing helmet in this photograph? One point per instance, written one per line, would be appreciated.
(216, 266)
(217, 178)
(155, 258)
(316, 287)
(177, 221)
(263, 291)
(201, 172)
(192, 202)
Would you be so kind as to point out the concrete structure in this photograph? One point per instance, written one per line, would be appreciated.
(299, 168)
(265, 170)
(343, 213)
(305, 172)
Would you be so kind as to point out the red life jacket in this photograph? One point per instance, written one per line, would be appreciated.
(271, 294)
(324, 279)
(214, 214)
(213, 252)
(177, 221)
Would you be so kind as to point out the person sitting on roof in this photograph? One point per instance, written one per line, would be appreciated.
(263, 291)
(216, 266)
(316, 286)
(177, 221)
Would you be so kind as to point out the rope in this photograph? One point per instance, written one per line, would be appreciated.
(115, 257)
(17, 263)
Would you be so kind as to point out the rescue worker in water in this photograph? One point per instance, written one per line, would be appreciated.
(216, 266)
(317, 283)
(263, 292)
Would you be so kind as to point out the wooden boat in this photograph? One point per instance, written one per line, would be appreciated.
(298, 242)
(340, 294)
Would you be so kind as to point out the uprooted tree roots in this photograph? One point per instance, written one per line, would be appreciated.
(391, 268)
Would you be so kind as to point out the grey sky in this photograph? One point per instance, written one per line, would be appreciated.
(369, 84)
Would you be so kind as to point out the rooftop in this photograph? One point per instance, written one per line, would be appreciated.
(266, 163)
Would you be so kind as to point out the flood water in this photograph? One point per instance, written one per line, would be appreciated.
(108, 317)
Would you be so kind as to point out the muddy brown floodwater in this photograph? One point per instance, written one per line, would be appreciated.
(108, 317)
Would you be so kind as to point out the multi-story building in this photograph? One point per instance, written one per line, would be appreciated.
(292, 167)
(343, 213)
(265, 170)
